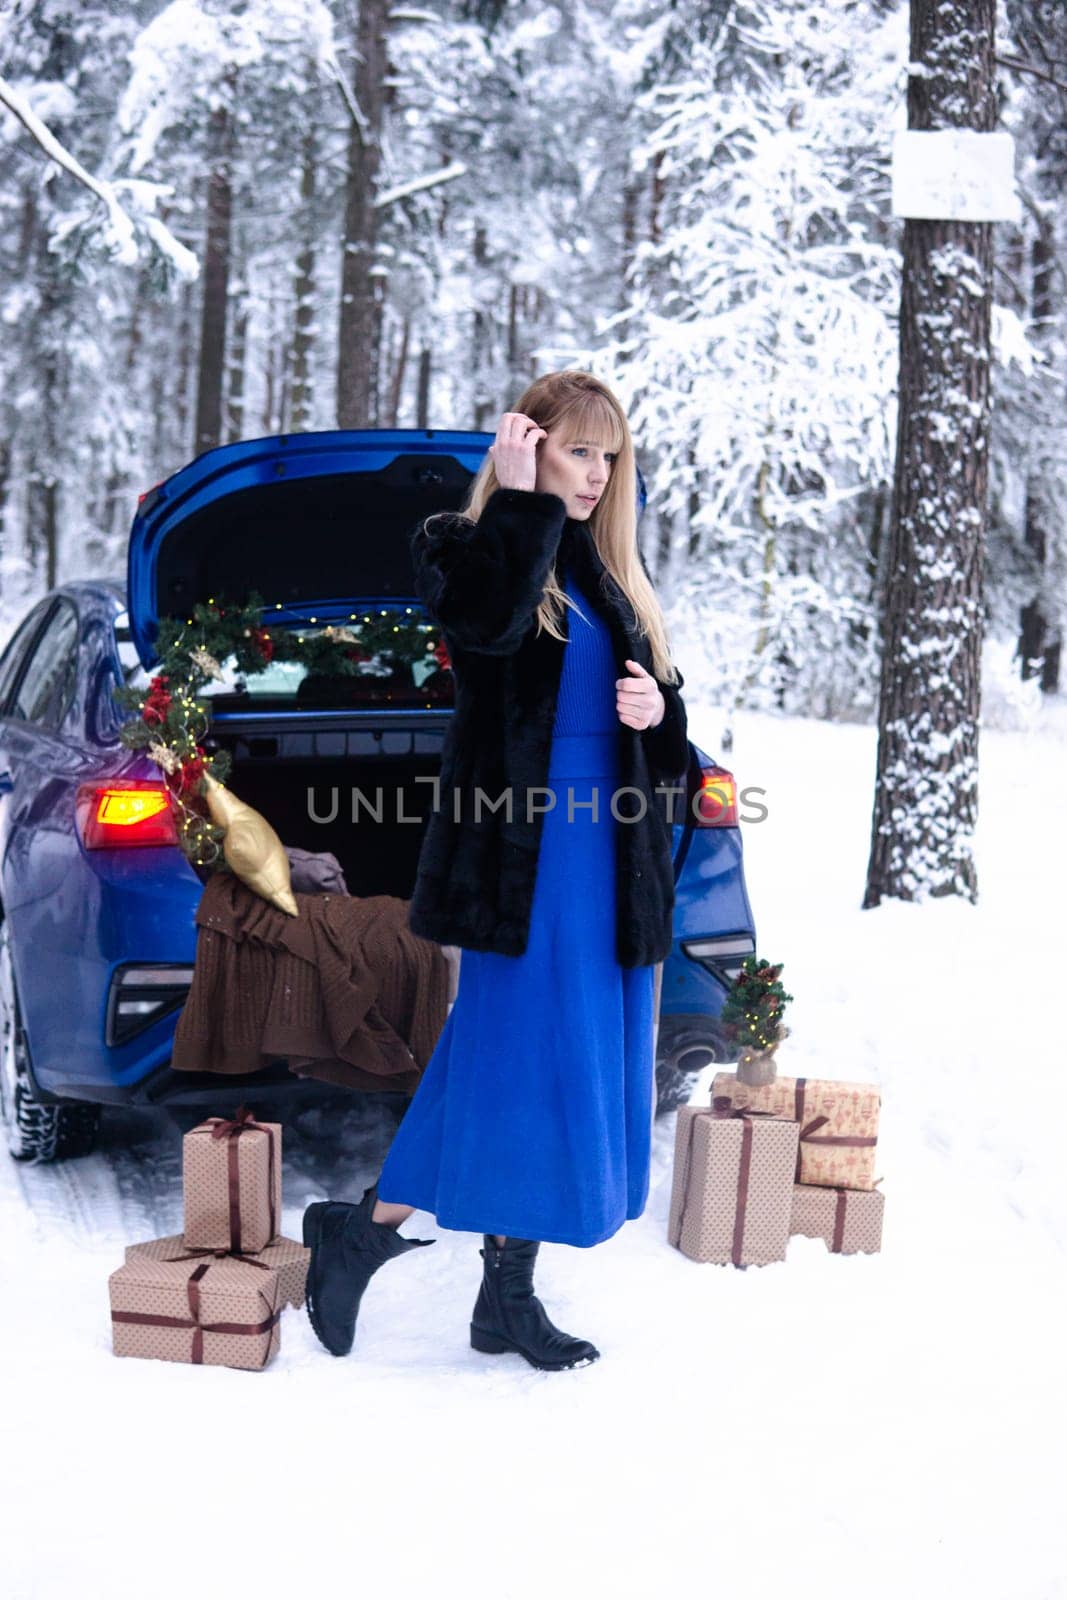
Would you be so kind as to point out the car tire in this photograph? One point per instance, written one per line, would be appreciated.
(33, 1129)
(685, 1046)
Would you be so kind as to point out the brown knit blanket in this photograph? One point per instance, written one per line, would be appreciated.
(345, 991)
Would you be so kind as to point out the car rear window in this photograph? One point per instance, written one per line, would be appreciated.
(287, 685)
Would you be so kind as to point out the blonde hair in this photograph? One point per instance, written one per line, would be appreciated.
(579, 406)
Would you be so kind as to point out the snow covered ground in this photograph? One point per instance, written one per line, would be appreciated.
(869, 1426)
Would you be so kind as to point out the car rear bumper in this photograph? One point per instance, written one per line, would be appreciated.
(165, 1087)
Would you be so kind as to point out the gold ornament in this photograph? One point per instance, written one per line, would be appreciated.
(340, 635)
(251, 847)
(206, 662)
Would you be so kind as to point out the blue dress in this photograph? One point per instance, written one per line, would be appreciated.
(533, 1117)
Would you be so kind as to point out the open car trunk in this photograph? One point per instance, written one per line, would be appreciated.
(319, 524)
(348, 787)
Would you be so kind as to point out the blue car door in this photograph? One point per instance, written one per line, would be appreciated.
(44, 760)
(11, 667)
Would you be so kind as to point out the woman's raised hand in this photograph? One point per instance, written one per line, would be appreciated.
(514, 451)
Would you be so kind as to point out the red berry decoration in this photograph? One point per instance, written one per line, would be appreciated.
(157, 702)
(166, 719)
(191, 772)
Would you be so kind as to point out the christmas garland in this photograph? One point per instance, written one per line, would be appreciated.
(169, 723)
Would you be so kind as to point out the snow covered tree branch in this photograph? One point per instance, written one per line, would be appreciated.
(122, 226)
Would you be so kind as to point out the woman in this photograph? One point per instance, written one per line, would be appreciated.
(548, 860)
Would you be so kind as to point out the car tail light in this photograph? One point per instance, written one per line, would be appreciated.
(715, 805)
(124, 816)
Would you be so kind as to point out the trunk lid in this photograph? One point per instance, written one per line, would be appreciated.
(316, 522)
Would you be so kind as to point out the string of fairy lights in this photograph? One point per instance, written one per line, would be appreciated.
(168, 722)
(752, 1012)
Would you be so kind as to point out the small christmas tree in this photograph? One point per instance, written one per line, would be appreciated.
(752, 1017)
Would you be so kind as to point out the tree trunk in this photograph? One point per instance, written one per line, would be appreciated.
(183, 375)
(271, 384)
(400, 362)
(480, 332)
(1039, 647)
(695, 500)
(379, 287)
(235, 365)
(110, 515)
(517, 297)
(304, 293)
(42, 524)
(44, 465)
(422, 400)
(5, 476)
(658, 187)
(657, 193)
(630, 196)
(926, 789)
(216, 279)
(358, 329)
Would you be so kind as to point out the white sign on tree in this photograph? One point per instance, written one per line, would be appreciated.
(956, 174)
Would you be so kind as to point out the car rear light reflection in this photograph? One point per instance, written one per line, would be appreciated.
(140, 996)
(716, 803)
(723, 956)
(124, 816)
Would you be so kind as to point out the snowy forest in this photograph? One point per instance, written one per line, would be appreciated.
(845, 375)
(225, 219)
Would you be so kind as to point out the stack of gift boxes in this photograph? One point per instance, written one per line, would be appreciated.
(760, 1164)
(214, 1294)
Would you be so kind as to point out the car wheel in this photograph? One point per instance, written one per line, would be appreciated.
(34, 1131)
(686, 1045)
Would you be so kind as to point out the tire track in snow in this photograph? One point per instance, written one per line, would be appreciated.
(130, 1188)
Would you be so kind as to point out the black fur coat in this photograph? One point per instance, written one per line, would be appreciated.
(482, 583)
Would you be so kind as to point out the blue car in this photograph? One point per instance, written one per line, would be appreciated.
(97, 937)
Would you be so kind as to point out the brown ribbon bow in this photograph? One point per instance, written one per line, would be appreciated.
(151, 1320)
(723, 1106)
(810, 1135)
(243, 1121)
(223, 1255)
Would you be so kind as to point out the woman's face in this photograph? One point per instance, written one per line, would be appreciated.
(578, 471)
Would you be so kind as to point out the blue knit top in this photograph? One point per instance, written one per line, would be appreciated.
(586, 701)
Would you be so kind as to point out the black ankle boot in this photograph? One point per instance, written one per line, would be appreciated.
(347, 1248)
(508, 1315)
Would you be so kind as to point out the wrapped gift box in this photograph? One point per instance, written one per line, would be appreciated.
(219, 1313)
(732, 1191)
(288, 1259)
(232, 1180)
(838, 1124)
(849, 1220)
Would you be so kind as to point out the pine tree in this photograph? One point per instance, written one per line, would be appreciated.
(926, 789)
